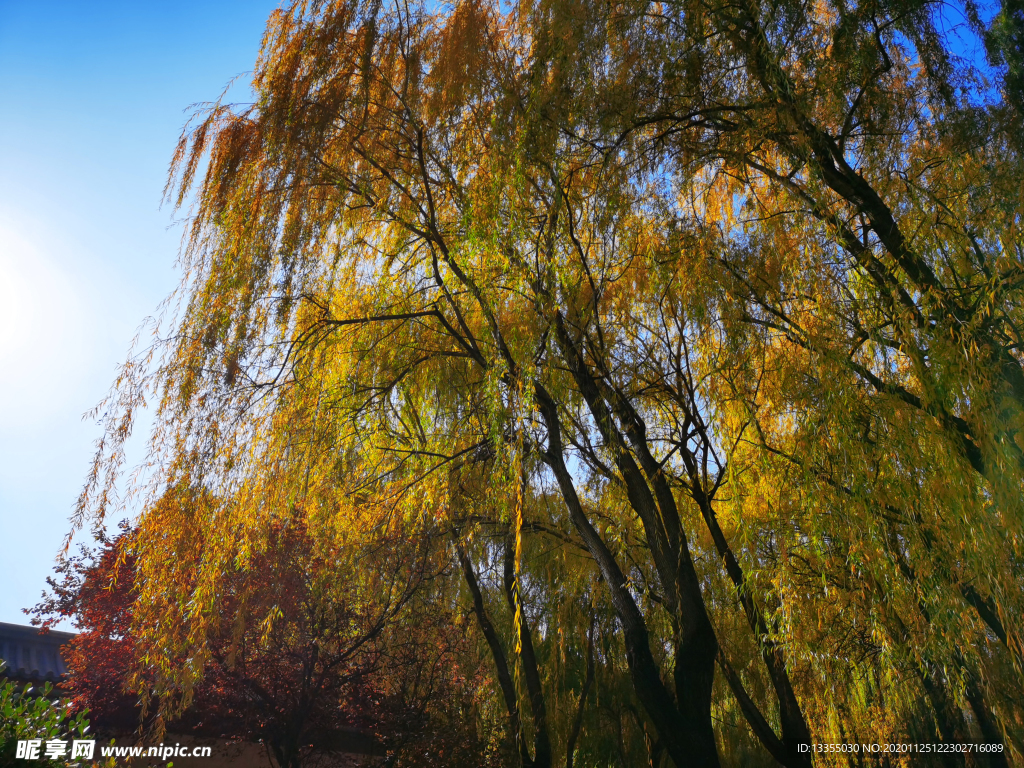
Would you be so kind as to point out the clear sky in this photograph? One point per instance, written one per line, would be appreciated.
(93, 96)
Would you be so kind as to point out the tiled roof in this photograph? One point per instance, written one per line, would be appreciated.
(31, 656)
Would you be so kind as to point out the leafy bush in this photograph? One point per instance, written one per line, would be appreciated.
(27, 716)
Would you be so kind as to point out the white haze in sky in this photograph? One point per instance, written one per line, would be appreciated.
(93, 97)
(48, 328)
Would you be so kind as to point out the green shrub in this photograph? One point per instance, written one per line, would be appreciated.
(26, 716)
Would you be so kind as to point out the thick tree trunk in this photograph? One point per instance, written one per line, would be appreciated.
(505, 682)
(528, 659)
(948, 718)
(696, 645)
(689, 740)
(987, 724)
(794, 726)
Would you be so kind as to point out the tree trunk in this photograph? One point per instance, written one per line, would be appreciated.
(690, 741)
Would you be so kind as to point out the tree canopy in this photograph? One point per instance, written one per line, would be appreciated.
(297, 662)
(681, 339)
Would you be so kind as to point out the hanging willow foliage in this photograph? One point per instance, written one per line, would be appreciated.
(681, 340)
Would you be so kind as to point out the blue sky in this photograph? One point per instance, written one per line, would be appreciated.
(92, 100)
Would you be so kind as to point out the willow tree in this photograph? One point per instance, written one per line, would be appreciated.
(861, 208)
(717, 301)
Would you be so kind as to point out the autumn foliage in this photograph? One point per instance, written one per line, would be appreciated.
(95, 590)
(671, 350)
(313, 677)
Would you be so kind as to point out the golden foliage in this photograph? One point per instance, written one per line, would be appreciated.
(703, 317)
